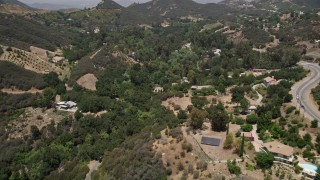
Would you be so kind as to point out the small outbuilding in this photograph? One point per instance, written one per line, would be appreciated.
(252, 109)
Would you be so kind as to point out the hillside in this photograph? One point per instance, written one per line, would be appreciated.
(15, 76)
(159, 9)
(14, 6)
(287, 5)
(308, 3)
(21, 32)
(108, 4)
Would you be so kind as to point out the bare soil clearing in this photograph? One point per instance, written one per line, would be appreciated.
(33, 117)
(17, 91)
(88, 81)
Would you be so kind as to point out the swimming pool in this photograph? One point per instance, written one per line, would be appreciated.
(309, 167)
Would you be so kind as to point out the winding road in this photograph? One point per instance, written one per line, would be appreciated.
(301, 91)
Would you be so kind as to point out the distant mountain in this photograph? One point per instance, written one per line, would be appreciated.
(14, 2)
(158, 9)
(48, 6)
(289, 4)
(14, 6)
(308, 3)
(108, 4)
(233, 2)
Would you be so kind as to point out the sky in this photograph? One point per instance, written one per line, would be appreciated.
(92, 3)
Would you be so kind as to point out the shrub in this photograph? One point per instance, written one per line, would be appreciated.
(247, 127)
(238, 134)
(252, 119)
(264, 160)
(239, 121)
(35, 132)
(39, 117)
(202, 165)
(233, 168)
(187, 146)
(196, 175)
(228, 143)
(182, 154)
(182, 115)
(180, 166)
(314, 124)
(290, 109)
(190, 169)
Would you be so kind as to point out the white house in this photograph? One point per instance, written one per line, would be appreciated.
(66, 105)
(216, 52)
(252, 109)
(158, 89)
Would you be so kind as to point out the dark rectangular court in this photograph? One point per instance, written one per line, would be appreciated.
(210, 141)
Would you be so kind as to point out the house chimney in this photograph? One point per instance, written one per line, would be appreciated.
(272, 77)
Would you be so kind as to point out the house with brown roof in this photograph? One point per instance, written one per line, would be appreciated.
(268, 81)
(281, 152)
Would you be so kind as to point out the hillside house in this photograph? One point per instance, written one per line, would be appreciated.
(157, 89)
(252, 109)
(184, 80)
(65, 105)
(57, 59)
(281, 152)
(268, 81)
(165, 24)
(215, 52)
(199, 87)
(259, 72)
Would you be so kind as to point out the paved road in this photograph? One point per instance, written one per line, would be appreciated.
(301, 91)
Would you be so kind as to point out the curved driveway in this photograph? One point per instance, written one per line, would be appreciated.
(301, 91)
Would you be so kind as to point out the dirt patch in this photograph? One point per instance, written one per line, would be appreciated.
(42, 53)
(88, 81)
(17, 91)
(93, 166)
(183, 102)
(33, 117)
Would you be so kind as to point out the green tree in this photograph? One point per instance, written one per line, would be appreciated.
(237, 94)
(264, 160)
(264, 122)
(247, 127)
(233, 168)
(242, 146)
(244, 105)
(78, 115)
(314, 124)
(252, 119)
(196, 118)
(199, 102)
(218, 117)
(52, 79)
(35, 132)
(182, 115)
(318, 174)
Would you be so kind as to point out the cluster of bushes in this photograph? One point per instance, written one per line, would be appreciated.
(13, 102)
(12, 75)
